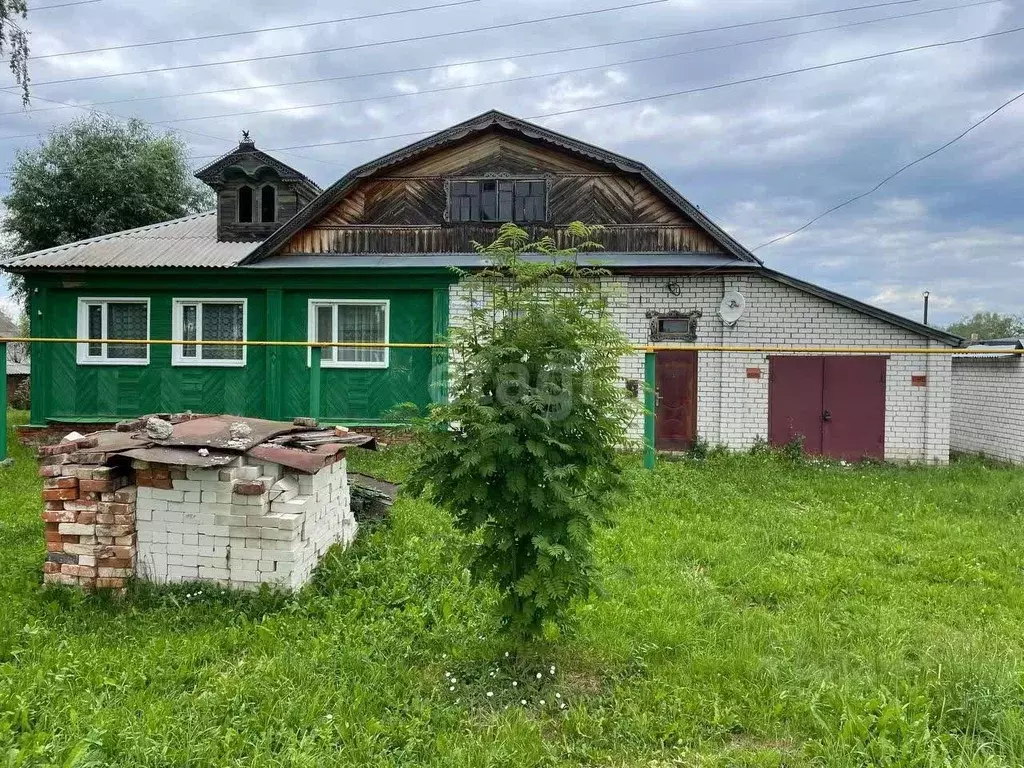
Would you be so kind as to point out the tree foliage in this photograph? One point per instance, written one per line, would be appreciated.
(989, 325)
(523, 454)
(14, 42)
(95, 176)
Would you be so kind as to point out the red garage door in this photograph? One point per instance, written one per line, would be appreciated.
(836, 404)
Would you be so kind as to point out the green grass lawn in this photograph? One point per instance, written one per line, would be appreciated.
(754, 612)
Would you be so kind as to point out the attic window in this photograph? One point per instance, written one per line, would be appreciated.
(245, 205)
(498, 200)
(268, 204)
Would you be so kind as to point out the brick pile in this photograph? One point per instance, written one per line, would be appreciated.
(89, 517)
(243, 525)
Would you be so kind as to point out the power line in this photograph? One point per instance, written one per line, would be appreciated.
(62, 5)
(512, 57)
(127, 46)
(893, 175)
(574, 70)
(358, 46)
(671, 94)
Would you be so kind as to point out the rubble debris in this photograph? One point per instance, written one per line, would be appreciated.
(158, 429)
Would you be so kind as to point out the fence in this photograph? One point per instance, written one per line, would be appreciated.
(316, 351)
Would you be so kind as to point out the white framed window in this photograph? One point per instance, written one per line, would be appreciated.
(113, 318)
(202, 320)
(362, 321)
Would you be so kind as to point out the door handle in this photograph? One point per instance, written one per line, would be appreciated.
(826, 416)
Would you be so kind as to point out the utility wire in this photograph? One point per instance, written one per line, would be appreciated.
(893, 175)
(671, 94)
(558, 73)
(61, 5)
(513, 57)
(357, 46)
(220, 35)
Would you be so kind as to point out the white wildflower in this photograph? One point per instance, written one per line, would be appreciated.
(523, 702)
(490, 694)
(452, 688)
(540, 675)
(515, 684)
(542, 702)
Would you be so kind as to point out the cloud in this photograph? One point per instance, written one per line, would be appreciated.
(762, 158)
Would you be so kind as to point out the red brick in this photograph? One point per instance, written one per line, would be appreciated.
(96, 486)
(113, 508)
(80, 505)
(254, 488)
(49, 567)
(88, 571)
(126, 496)
(58, 449)
(116, 562)
(54, 546)
(85, 518)
(51, 535)
(124, 520)
(54, 516)
(110, 583)
(50, 471)
(60, 494)
(61, 482)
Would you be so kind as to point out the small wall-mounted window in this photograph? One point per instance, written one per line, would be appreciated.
(107, 318)
(358, 321)
(206, 320)
(674, 326)
(268, 204)
(245, 207)
(499, 201)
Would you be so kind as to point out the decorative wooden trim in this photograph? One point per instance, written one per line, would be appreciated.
(658, 335)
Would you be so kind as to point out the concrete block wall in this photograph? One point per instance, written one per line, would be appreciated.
(988, 407)
(244, 525)
(732, 409)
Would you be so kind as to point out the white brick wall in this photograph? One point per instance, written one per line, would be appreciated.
(988, 407)
(732, 410)
(201, 531)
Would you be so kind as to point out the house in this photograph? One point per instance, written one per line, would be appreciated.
(368, 259)
(988, 400)
(18, 366)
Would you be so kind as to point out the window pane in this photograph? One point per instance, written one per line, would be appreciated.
(361, 323)
(325, 329)
(268, 204)
(126, 321)
(505, 197)
(222, 322)
(189, 329)
(488, 201)
(245, 205)
(95, 329)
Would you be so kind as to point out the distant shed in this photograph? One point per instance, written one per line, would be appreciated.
(988, 401)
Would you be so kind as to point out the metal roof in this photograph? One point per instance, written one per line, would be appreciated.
(995, 348)
(187, 242)
(608, 259)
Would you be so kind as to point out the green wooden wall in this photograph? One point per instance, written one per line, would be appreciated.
(274, 382)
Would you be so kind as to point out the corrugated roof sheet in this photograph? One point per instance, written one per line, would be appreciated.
(187, 242)
(995, 348)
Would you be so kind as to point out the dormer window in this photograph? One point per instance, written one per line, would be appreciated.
(497, 200)
(268, 204)
(245, 207)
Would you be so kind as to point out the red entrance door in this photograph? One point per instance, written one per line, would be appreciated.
(836, 404)
(675, 376)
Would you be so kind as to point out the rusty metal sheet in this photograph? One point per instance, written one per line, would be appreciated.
(215, 432)
(188, 457)
(293, 458)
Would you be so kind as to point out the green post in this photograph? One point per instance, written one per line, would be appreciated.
(314, 382)
(3, 403)
(650, 404)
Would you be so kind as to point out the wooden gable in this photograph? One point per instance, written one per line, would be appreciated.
(399, 203)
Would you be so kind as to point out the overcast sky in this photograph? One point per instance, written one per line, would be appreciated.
(761, 158)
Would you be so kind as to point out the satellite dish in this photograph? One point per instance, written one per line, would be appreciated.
(732, 308)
